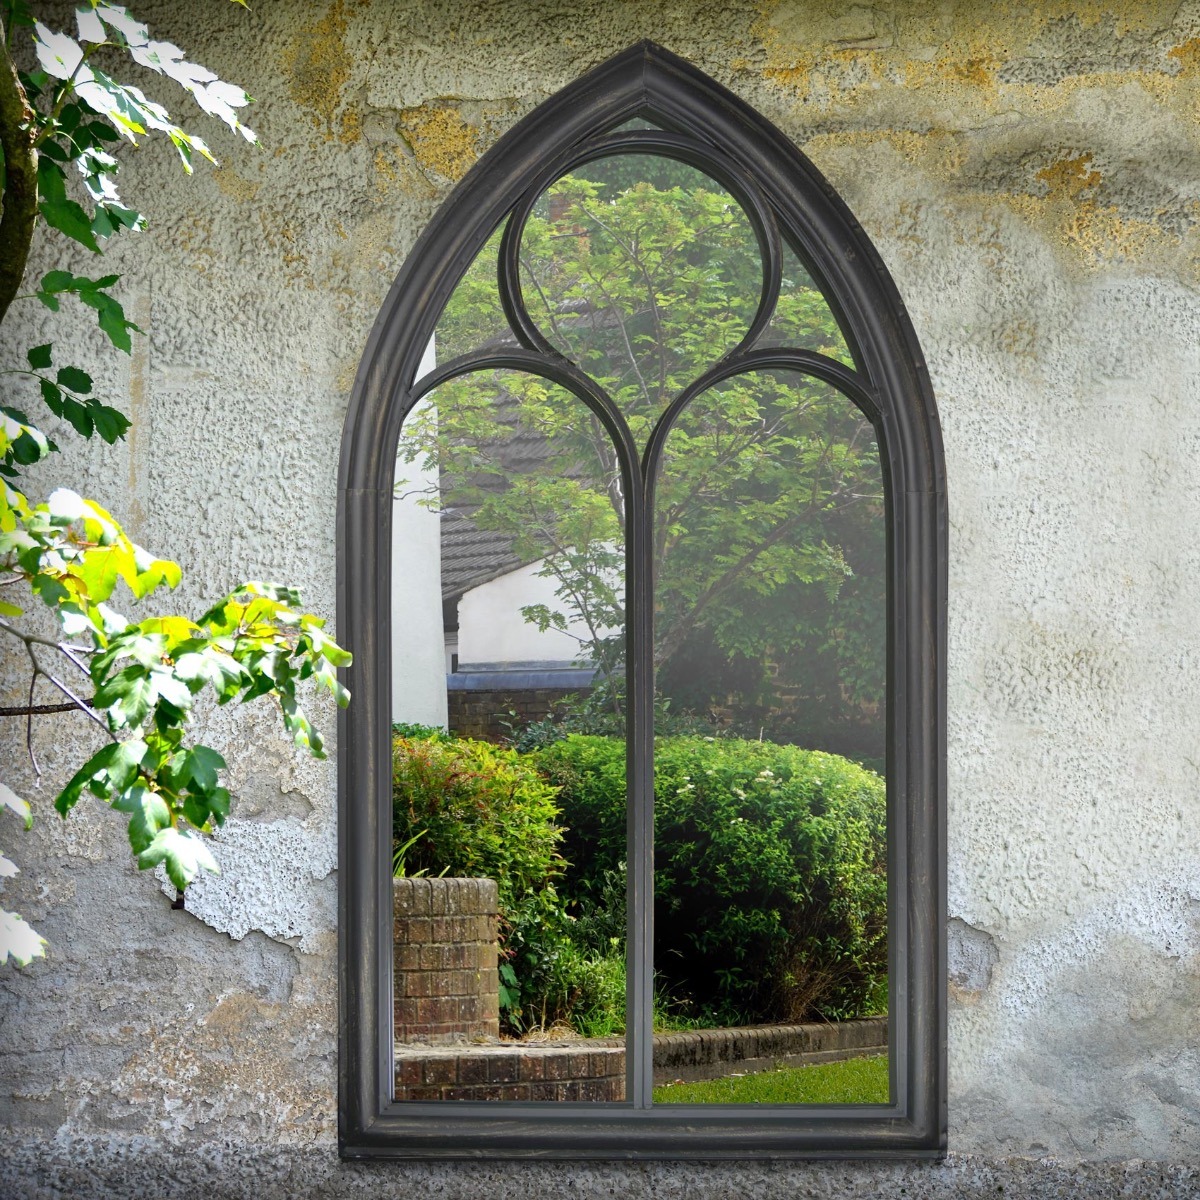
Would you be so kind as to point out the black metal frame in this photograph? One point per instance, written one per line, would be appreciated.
(784, 197)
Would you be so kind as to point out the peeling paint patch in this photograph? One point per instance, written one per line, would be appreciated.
(971, 955)
(269, 873)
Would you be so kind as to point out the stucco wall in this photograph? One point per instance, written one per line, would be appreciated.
(1028, 173)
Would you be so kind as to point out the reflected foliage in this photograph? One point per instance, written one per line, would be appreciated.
(770, 529)
(770, 871)
(643, 271)
(770, 547)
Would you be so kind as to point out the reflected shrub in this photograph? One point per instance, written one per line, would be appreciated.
(469, 808)
(770, 870)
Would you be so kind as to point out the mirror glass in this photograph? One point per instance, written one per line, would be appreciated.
(643, 271)
(507, 635)
(770, 797)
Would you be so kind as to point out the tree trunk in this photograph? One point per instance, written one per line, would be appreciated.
(20, 179)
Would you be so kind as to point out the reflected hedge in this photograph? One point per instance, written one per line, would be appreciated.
(770, 870)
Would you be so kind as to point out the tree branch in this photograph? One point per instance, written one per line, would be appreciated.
(35, 710)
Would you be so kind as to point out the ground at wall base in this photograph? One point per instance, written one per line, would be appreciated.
(112, 1169)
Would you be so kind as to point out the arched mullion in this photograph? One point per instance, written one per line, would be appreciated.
(552, 367)
(639, 682)
(803, 362)
(678, 146)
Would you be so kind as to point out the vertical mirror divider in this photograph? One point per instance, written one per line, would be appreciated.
(639, 659)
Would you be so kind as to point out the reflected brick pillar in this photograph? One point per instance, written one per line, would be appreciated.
(446, 958)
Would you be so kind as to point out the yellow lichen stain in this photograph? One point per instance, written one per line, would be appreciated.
(938, 151)
(441, 140)
(278, 234)
(1069, 177)
(396, 168)
(1097, 232)
(234, 186)
(318, 66)
(1187, 54)
(979, 71)
(1020, 338)
(946, 75)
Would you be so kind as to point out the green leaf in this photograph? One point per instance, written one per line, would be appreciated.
(183, 855)
(148, 813)
(127, 697)
(74, 379)
(100, 570)
(102, 226)
(169, 688)
(111, 769)
(329, 649)
(207, 808)
(79, 416)
(111, 424)
(204, 764)
(210, 665)
(110, 314)
(102, 132)
(53, 150)
(39, 356)
(113, 322)
(52, 396)
(59, 211)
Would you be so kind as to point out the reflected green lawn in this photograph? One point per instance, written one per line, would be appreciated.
(855, 1081)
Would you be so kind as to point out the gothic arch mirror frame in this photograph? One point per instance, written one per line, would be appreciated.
(786, 200)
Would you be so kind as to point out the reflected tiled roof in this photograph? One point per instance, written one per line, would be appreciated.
(471, 556)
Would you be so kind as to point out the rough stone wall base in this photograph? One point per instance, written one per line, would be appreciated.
(111, 1168)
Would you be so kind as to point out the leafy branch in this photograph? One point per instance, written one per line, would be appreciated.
(137, 681)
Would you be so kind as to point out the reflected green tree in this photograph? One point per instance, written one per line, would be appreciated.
(769, 537)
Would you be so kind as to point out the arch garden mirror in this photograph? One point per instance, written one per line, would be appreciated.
(642, 549)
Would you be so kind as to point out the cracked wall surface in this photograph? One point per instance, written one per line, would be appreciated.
(1030, 175)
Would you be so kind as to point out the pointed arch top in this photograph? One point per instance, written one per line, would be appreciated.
(648, 81)
(890, 383)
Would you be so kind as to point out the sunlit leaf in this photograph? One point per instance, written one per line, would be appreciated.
(10, 800)
(183, 854)
(148, 814)
(58, 53)
(19, 940)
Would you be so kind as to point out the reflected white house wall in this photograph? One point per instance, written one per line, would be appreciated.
(491, 628)
(418, 654)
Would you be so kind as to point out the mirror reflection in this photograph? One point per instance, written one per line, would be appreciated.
(508, 617)
(770, 804)
(644, 271)
(802, 318)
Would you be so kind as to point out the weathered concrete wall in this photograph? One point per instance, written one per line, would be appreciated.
(1029, 175)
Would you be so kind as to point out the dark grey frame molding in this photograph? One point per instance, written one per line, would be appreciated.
(786, 197)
